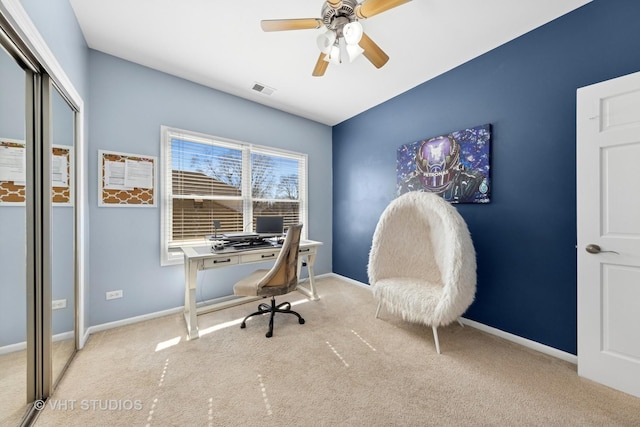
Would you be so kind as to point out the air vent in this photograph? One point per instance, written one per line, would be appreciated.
(265, 90)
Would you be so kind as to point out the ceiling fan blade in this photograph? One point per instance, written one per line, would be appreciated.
(290, 24)
(373, 52)
(321, 66)
(369, 8)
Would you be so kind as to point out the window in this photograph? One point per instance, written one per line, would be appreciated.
(207, 179)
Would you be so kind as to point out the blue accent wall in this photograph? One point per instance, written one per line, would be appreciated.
(525, 238)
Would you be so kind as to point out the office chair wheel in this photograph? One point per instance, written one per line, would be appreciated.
(243, 325)
(301, 321)
(268, 334)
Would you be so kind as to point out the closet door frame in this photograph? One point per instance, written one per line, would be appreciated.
(43, 74)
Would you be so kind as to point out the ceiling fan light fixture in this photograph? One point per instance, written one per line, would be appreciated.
(353, 51)
(352, 32)
(344, 36)
(326, 40)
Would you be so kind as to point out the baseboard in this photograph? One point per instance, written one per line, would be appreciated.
(472, 323)
(6, 349)
(568, 357)
(23, 345)
(131, 320)
(346, 279)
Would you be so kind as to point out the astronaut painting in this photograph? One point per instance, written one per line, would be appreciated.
(455, 166)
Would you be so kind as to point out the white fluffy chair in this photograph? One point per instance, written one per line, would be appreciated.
(422, 264)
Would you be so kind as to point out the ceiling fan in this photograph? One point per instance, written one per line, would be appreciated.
(344, 37)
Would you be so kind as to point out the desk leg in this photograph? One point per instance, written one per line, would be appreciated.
(311, 292)
(190, 314)
(311, 259)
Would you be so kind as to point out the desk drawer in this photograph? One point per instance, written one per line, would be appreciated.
(306, 251)
(219, 262)
(262, 256)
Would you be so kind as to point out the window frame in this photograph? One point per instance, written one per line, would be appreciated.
(170, 254)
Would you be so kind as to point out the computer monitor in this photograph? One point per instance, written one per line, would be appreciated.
(273, 225)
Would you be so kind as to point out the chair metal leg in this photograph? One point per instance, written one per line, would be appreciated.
(269, 333)
(280, 309)
(460, 322)
(262, 309)
(378, 309)
(435, 338)
(272, 309)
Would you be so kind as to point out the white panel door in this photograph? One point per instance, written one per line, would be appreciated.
(608, 216)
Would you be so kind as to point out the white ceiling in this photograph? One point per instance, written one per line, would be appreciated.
(220, 44)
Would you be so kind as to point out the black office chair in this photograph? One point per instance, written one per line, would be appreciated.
(281, 279)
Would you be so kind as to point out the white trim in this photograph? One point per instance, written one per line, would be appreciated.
(23, 345)
(30, 36)
(62, 336)
(166, 257)
(81, 227)
(132, 320)
(567, 357)
(167, 134)
(346, 279)
(157, 314)
(11, 348)
(472, 323)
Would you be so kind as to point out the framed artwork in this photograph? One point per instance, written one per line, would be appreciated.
(126, 180)
(61, 175)
(455, 166)
(13, 172)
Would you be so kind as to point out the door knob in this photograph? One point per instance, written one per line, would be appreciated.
(595, 249)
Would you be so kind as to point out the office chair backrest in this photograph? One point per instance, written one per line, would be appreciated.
(285, 270)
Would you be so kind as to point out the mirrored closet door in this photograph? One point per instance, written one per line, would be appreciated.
(63, 283)
(38, 217)
(13, 242)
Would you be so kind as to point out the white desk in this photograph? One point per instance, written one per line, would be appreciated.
(197, 258)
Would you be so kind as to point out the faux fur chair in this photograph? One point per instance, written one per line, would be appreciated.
(422, 264)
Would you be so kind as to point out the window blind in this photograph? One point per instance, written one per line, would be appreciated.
(209, 179)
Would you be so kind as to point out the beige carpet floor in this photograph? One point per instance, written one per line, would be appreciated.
(13, 380)
(342, 367)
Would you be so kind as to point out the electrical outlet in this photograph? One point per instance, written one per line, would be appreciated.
(114, 294)
(59, 303)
